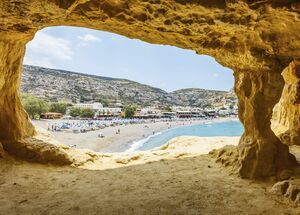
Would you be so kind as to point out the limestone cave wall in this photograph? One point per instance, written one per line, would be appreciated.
(257, 39)
(286, 116)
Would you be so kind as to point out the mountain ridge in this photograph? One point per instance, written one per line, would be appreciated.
(51, 84)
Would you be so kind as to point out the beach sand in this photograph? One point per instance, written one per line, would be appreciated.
(113, 142)
(176, 178)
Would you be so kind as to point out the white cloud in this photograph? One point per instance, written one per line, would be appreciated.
(46, 46)
(44, 50)
(39, 61)
(89, 38)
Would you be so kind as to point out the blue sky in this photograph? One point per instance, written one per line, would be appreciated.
(106, 54)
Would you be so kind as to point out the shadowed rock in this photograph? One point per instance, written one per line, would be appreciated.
(290, 189)
(286, 118)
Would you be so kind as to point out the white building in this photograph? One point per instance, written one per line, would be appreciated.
(109, 111)
(150, 110)
(224, 112)
(100, 110)
(95, 106)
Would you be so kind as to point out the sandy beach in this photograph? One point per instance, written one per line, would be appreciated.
(113, 142)
(176, 178)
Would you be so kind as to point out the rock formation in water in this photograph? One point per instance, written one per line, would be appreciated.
(257, 39)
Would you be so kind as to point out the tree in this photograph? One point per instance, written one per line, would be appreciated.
(168, 109)
(58, 107)
(74, 112)
(82, 99)
(129, 111)
(207, 106)
(34, 105)
(104, 102)
(87, 113)
(74, 100)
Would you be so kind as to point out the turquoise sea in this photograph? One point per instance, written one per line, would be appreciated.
(207, 129)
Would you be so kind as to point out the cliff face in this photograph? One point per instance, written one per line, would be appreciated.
(257, 39)
(286, 117)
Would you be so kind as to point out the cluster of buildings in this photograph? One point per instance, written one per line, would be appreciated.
(101, 111)
(185, 112)
(228, 107)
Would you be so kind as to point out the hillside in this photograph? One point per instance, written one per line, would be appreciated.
(60, 85)
(198, 97)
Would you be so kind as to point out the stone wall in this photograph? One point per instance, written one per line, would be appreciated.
(257, 39)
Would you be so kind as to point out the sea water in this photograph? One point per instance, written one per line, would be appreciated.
(206, 129)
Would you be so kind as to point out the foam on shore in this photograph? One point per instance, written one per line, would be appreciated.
(139, 143)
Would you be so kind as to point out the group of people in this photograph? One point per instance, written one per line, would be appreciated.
(79, 126)
(88, 125)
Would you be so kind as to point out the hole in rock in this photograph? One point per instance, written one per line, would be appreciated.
(105, 92)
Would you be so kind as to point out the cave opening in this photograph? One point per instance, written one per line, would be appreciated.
(254, 100)
(234, 33)
(69, 68)
(257, 40)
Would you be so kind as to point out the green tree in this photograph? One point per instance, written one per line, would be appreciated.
(168, 109)
(74, 100)
(87, 113)
(58, 107)
(34, 105)
(207, 106)
(82, 99)
(104, 102)
(129, 111)
(74, 112)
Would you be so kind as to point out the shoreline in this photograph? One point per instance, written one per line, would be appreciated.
(134, 147)
(112, 142)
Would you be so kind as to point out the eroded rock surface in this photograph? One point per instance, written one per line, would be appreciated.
(257, 39)
(259, 153)
(36, 150)
(14, 121)
(1, 151)
(286, 118)
(290, 189)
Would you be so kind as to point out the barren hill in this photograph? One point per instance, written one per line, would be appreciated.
(60, 85)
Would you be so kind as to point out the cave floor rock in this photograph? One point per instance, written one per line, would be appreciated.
(191, 185)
